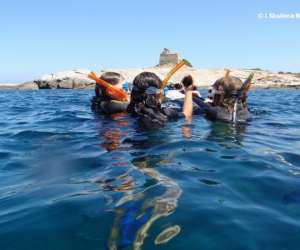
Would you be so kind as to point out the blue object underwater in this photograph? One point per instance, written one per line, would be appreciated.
(129, 224)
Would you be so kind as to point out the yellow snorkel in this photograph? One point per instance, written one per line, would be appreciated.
(173, 71)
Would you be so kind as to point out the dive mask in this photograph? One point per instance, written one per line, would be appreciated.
(153, 97)
(154, 91)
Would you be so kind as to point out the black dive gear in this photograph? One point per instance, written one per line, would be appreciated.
(145, 102)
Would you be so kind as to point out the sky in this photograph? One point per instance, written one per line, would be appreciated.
(41, 37)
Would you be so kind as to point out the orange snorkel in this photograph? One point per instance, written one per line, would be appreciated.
(112, 91)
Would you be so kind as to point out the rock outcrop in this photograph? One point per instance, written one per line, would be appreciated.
(23, 86)
(8, 85)
(78, 79)
(28, 85)
(72, 79)
(206, 77)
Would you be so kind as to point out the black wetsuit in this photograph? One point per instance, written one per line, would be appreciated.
(223, 113)
(150, 117)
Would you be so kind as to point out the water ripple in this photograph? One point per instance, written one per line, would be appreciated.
(71, 179)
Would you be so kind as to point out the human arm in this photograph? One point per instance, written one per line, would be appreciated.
(188, 99)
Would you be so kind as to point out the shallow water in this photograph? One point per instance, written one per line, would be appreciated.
(70, 179)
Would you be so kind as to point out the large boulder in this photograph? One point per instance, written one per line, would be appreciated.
(72, 79)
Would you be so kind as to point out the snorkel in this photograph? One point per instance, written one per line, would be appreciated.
(173, 71)
(114, 92)
(170, 74)
(241, 92)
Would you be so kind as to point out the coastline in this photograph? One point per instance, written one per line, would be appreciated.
(204, 78)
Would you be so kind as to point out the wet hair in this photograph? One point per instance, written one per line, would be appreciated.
(145, 80)
(187, 81)
(227, 89)
(228, 85)
(113, 78)
(141, 83)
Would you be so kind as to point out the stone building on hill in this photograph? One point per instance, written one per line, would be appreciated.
(168, 57)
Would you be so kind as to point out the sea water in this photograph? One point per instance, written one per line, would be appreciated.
(72, 179)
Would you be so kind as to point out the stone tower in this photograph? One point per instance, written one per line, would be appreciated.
(167, 57)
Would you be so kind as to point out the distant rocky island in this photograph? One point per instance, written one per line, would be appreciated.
(78, 78)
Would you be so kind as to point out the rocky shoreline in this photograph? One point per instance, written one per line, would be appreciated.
(77, 79)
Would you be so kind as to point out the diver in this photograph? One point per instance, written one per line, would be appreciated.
(146, 102)
(104, 103)
(227, 100)
(175, 91)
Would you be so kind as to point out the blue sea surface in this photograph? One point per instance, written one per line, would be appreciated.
(71, 179)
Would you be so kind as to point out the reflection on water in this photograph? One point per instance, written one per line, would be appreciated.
(137, 211)
(186, 131)
(222, 132)
(167, 234)
(139, 205)
(111, 139)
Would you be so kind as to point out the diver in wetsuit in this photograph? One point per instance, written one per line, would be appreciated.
(222, 98)
(102, 102)
(146, 102)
